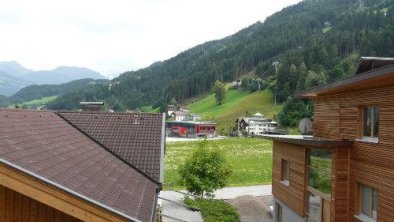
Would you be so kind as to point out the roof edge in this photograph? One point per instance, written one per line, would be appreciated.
(312, 92)
(67, 190)
(104, 147)
(162, 147)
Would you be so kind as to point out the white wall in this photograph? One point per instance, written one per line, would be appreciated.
(288, 215)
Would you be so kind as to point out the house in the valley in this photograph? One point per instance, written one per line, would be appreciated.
(91, 106)
(191, 129)
(171, 109)
(180, 115)
(345, 171)
(80, 166)
(192, 117)
(257, 125)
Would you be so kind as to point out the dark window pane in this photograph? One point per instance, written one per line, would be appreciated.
(367, 125)
(374, 203)
(366, 200)
(285, 170)
(376, 122)
(278, 213)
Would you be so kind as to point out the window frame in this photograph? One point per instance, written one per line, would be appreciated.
(370, 215)
(285, 172)
(278, 212)
(371, 137)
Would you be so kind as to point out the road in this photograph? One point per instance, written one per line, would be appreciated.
(178, 211)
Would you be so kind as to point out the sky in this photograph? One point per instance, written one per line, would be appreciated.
(113, 36)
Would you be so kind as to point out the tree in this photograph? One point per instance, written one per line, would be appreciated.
(293, 111)
(205, 171)
(220, 92)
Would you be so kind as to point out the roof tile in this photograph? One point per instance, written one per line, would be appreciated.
(134, 137)
(46, 145)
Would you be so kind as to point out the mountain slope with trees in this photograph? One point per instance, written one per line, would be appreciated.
(39, 91)
(311, 43)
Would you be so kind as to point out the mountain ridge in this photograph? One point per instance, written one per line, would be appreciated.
(15, 76)
(312, 42)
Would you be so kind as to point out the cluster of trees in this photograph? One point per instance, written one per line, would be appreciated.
(299, 47)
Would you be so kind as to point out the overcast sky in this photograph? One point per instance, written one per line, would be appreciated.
(118, 35)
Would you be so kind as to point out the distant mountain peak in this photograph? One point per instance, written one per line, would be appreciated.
(13, 68)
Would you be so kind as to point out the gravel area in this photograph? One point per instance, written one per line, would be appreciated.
(252, 208)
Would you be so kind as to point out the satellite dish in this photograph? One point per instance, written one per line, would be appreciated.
(306, 126)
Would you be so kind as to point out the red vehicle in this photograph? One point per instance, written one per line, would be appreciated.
(178, 131)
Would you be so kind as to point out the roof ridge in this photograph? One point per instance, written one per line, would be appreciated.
(104, 147)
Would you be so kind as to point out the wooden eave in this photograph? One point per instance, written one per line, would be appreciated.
(308, 141)
(381, 77)
(28, 184)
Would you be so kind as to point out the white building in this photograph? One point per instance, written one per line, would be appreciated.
(258, 125)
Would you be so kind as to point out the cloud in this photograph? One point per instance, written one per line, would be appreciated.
(118, 35)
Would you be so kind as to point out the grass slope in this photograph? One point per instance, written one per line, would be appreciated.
(236, 104)
(250, 158)
(40, 102)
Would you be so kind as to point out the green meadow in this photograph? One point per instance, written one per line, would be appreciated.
(250, 158)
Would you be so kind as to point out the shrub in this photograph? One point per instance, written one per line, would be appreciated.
(214, 210)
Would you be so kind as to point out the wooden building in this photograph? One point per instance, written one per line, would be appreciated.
(79, 166)
(345, 171)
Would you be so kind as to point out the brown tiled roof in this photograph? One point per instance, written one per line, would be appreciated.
(134, 137)
(45, 145)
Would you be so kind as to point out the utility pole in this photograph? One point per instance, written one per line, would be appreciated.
(276, 74)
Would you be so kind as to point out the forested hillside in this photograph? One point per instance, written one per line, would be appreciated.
(39, 91)
(311, 43)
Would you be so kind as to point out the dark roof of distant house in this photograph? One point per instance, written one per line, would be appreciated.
(376, 76)
(45, 146)
(136, 138)
(370, 63)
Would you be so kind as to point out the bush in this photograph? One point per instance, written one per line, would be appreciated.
(214, 210)
(205, 171)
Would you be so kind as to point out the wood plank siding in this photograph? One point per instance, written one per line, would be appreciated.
(294, 194)
(340, 184)
(20, 208)
(46, 203)
(339, 117)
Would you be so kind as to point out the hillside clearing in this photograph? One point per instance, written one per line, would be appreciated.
(250, 158)
(236, 104)
(39, 102)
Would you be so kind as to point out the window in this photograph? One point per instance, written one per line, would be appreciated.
(285, 174)
(368, 201)
(278, 212)
(371, 121)
(314, 208)
(320, 170)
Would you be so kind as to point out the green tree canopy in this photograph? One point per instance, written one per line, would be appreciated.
(220, 92)
(205, 171)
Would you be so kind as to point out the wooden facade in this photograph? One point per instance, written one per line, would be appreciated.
(370, 163)
(293, 194)
(339, 117)
(20, 208)
(22, 196)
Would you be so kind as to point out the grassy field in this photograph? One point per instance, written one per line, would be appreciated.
(250, 158)
(40, 102)
(236, 104)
